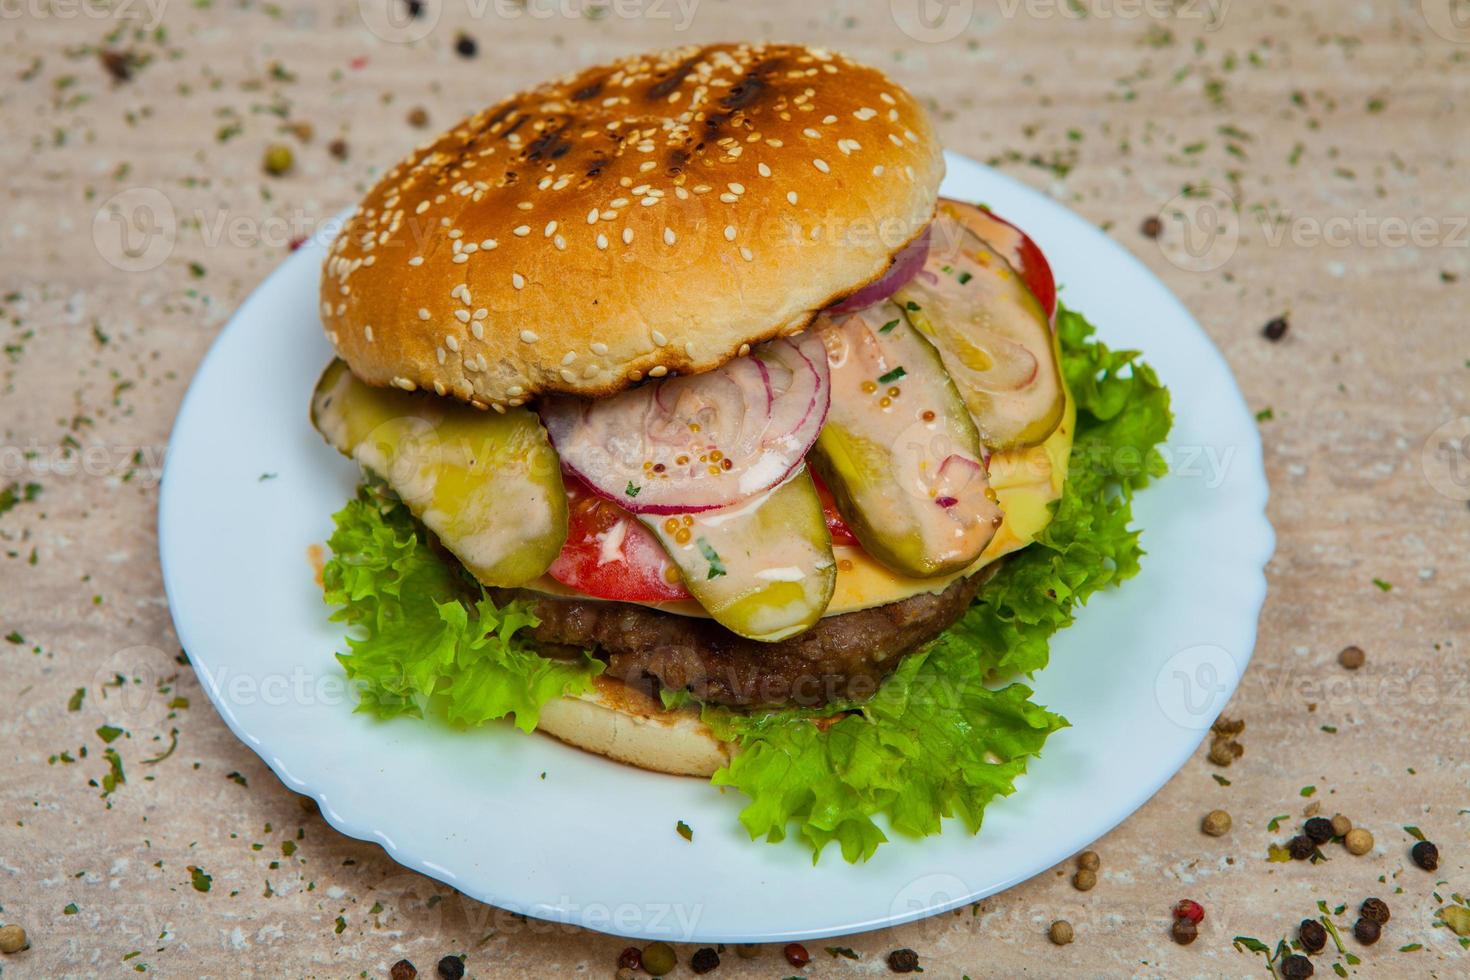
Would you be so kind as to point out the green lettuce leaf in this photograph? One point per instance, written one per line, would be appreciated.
(937, 741)
(426, 637)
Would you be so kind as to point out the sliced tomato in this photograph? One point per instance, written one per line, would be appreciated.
(609, 555)
(836, 526)
(1018, 249)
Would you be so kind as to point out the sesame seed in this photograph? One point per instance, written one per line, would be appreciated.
(660, 339)
(367, 333)
(422, 207)
(416, 261)
(521, 231)
(461, 258)
(550, 229)
(488, 244)
(599, 349)
(647, 165)
(668, 236)
(471, 248)
(747, 254)
(439, 353)
(515, 391)
(592, 217)
(729, 233)
(865, 113)
(517, 280)
(878, 170)
(744, 349)
(463, 316)
(791, 197)
(478, 329)
(590, 371)
(569, 357)
(498, 407)
(729, 198)
(908, 134)
(404, 383)
(894, 140)
(657, 371)
(828, 120)
(481, 313)
(763, 170)
(439, 389)
(602, 241)
(821, 165)
(529, 336)
(887, 98)
(568, 375)
(423, 313)
(689, 347)
(648, 201)
(560, 243)
(736, 188)
(627, 236)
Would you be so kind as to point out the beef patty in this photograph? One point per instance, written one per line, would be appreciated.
(842, 657)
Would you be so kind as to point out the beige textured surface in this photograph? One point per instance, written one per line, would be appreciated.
(1324, 119)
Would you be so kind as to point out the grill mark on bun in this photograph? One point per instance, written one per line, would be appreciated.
(662, 89)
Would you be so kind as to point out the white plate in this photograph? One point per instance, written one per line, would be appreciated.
(1140, 675)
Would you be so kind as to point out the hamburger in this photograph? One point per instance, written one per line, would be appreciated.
(683, 401)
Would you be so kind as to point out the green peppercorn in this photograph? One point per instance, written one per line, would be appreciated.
(12, 939)
(1318, 830)
(1216, 823)
(1061, 932)
(747, 951)
(1352, 657)
(1358, 841)
(278, 159)
(1375, 909)
(1084, 880)
(1312, 934)
(659, 958)
(1426, 855)
(1340, 825)
(1089, 861)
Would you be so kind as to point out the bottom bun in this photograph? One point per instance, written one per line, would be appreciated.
(626, 725)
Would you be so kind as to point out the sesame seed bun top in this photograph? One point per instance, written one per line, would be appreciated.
(632, 220)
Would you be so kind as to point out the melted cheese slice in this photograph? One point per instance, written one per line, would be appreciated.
(1025, 480)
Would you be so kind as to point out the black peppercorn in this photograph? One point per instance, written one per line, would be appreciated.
(1375, 909)
(1152, 227)
(1300, 847)
(1297, 967)
(1426, 855)
(704, 960)
(465, 46)
(415, 8)
(1275, 329)
(451, 968)
(1367, 931)
(631, 958)
(903, 961)
(1319, 830)
(1312, 934)
(1184, 931)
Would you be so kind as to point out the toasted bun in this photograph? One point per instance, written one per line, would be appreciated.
(626, 725)
(654, 215)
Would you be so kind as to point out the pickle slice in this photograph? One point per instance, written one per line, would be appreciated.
(992, 333)
(489, 485)
(763, 568)
(899, 450)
